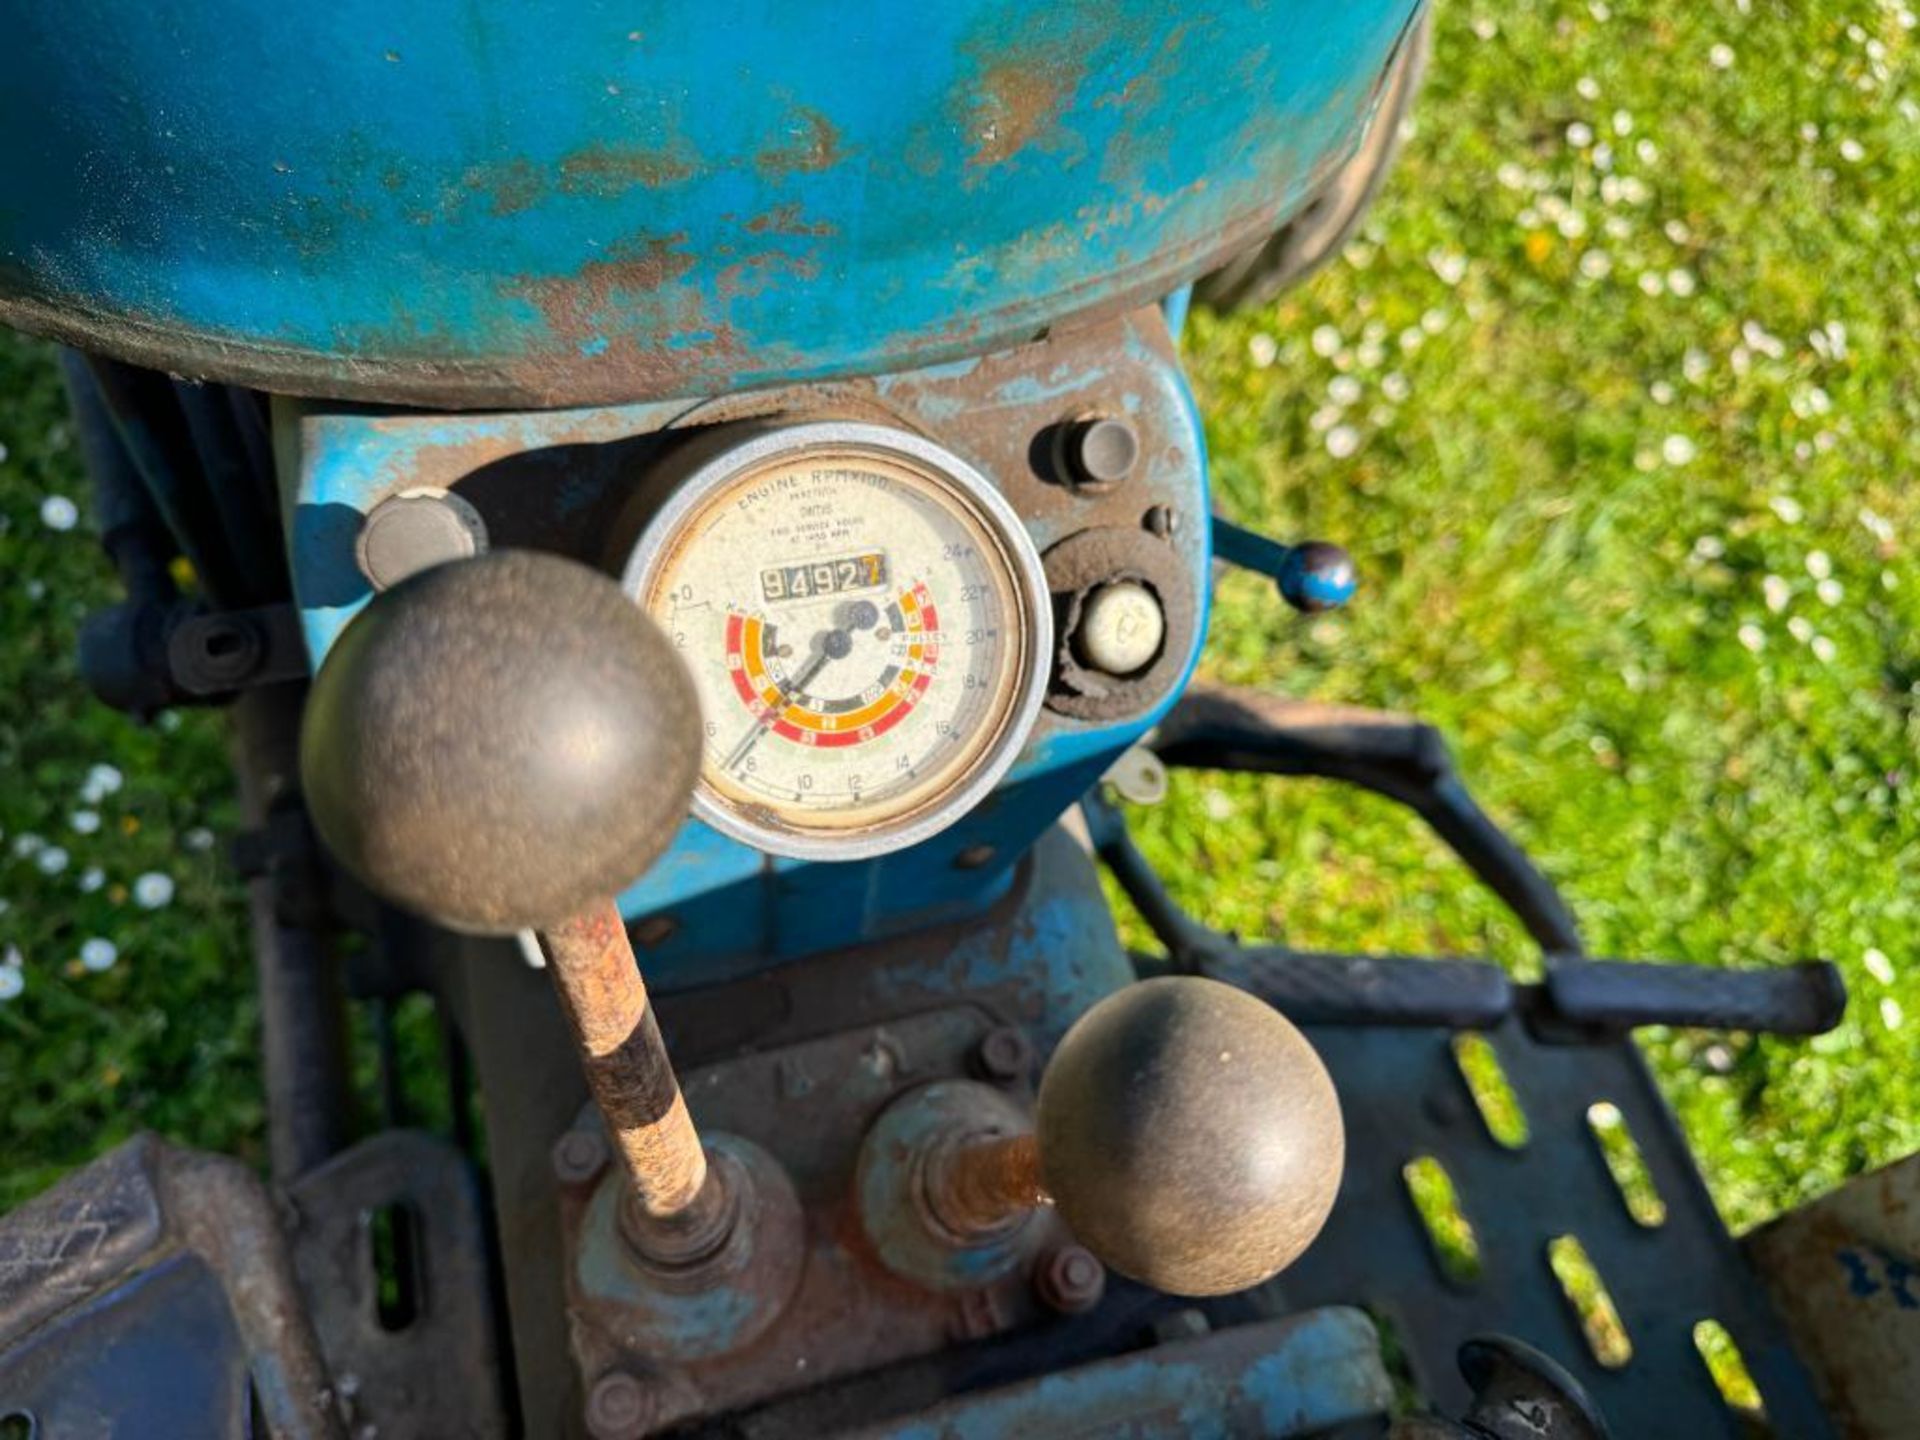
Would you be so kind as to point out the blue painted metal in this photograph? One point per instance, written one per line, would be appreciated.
(1278, 1379)
(545, 202)
(891, 1185)
(735, 910)
(1313, 575)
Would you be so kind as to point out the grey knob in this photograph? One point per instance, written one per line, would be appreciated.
(498, 743)
(1190, 1136)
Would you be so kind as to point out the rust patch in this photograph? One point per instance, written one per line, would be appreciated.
(511, 186)
(1015, 104)
(605, 170)
(813, 144)
(609, 317)
(753, 276)
(789, 220)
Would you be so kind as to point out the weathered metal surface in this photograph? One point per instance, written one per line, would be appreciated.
(628, 1071)
(535, 204)
(1036, 958)
(154, 1287)
(438, 1373)
(1273, 1381)
(500, 743)
(1076, 568)
(296, 980)
(944, 1226)
(808, 1105)
(1404, 1096)
(1233, 728)
(557, 481)
(1334, 989)
(698, 1306)
(979, 1182)
(1189, 1136)
(1518, 1394)
(1842, 1271)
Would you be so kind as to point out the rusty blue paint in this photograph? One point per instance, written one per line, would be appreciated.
(1279, 1379)
(891, 1182)
(680, 1320)
(541, 202)
(737, 911)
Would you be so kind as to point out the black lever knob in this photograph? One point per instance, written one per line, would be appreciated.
(499, 743)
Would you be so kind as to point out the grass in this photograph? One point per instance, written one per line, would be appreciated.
(1637, 532)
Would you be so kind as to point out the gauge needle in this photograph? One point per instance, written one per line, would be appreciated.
(833, 644)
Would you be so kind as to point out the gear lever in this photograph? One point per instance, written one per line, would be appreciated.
(504, 744)
(1185, 1131)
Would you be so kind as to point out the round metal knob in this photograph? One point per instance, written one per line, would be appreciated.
(1317, 575)
(1190, 1136)
(500, 742)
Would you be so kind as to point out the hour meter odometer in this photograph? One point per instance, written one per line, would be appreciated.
(867, 624)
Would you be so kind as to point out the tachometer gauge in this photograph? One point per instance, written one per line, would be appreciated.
(869, 629)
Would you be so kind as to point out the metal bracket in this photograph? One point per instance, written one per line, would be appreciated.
(151, 1293)
(1580, 1002)
(216, 654)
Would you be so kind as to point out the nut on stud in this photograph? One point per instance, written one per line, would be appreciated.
(618, 1407)
(578, 1156)
(1004, 1055)
(1070, 1279)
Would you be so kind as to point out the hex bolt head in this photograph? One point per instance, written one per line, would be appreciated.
(1121, 628)
(414, 531)
(618, 1407)
(579, 1156)
(1070, 1279)
(1100, 452)
(1004, 1055)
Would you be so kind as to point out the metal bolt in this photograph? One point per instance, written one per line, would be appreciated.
(1069, 1279)
(1004, 1055)
(618, 1407)
(1100, 452)
(1121, 628)
(973, 857)
(414, 531)
(579, 1155)
(1162, 522)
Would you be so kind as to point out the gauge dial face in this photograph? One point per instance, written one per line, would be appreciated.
(865, 621)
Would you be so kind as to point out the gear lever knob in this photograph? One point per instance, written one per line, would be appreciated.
(1185, 1131)
(1190, 1136)
(500, 742)
(506, 743)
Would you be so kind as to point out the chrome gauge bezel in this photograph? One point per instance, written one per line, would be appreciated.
(1033, 627)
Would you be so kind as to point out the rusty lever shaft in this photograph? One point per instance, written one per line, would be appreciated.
(632, 1080)
(976, 1184)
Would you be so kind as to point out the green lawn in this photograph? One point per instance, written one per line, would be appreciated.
(1613, 400)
